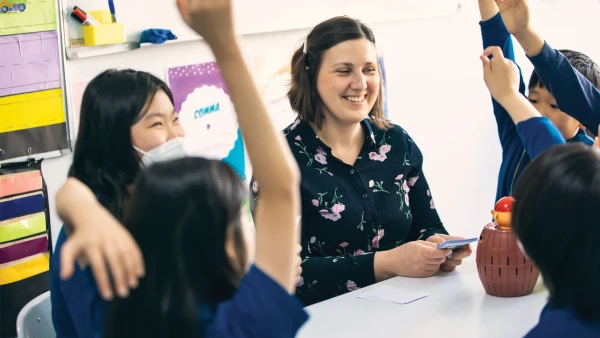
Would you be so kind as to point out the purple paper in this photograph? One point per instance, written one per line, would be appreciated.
(29, 63)
(205, 74)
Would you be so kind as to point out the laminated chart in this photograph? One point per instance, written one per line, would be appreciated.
(27, 16)
(29, 62)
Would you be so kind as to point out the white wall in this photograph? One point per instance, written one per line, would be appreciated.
(436, 93)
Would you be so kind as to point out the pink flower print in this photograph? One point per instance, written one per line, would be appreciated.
(334, 215)
(384, 149)
(431, 204)
(328, 215)
(405, 186)
(300, 282)
(255, 187)
(321, 151)
(412, 181)
(351, 286)
(295, 124)
(298, 138)
(377, 157)
(338, 208)
(358, 252)
(406, 199)
(321, 158)
(376, 239)
(343, 245)
(315, 203)
(399, 177)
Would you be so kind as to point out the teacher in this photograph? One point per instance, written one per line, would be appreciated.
(367, 210)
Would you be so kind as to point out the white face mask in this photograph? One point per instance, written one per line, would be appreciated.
(169, 150)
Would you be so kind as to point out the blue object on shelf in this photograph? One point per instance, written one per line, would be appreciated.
(156, 35)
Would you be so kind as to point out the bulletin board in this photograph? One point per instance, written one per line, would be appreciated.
(32, 102)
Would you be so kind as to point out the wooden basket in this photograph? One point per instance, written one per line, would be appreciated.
(503, 269)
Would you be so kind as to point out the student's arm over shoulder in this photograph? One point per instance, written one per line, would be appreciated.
(574, 93)
(260, 308)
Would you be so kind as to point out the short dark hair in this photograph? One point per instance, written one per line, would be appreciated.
(581, 62)
(104, 158)
(181, 215)
(303, 94)
(555, 216)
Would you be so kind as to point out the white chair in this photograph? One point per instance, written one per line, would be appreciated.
(35, 319)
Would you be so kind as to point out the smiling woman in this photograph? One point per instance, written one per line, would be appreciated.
(367, 210)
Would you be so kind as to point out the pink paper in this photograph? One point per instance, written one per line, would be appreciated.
(29, 63)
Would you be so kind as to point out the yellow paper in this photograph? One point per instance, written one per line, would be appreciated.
(24, 268)
(31, 110)
(29, 16)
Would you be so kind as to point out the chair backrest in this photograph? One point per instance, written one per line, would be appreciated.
(35, 319)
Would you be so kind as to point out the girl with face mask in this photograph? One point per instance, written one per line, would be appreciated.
(128, 122)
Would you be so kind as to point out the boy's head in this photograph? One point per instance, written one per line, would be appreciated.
(545, 103)
(555, 217)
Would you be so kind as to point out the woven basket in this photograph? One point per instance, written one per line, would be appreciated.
(503, 269)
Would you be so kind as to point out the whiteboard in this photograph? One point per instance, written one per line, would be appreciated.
(262, 16)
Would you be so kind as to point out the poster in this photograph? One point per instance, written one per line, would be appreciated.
(29, 62)
(76, 96)
(272, 74)
(26, 16)
(207, 114)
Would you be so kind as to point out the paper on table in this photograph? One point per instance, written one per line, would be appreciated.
(29, 63)
(392, 294)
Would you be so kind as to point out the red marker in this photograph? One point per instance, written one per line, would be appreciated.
(87, 19)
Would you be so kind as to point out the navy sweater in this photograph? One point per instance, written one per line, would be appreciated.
(520, 143)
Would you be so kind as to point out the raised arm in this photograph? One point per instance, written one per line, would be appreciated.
(494, 33)
(574, 93)
(272, 160)
(502, 77)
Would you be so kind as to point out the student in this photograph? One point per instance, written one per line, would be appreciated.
(556, 200)
(569, 77)
(121, 111)
(367, 210)
(515, 154)
(268, 281)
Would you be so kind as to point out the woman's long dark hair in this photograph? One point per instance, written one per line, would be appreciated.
(181, 215)
(104, 158)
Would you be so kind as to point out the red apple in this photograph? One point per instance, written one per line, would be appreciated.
(504, 204)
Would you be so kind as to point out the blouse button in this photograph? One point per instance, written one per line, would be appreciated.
(351, 171)
(365, 196)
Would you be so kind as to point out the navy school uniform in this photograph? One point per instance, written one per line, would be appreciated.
(520, 143)
(259, 308)
(563, 322)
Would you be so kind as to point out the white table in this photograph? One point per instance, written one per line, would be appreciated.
(457, 307)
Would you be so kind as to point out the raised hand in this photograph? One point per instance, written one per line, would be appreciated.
(211, 19)
(515, 14)
(501, 75)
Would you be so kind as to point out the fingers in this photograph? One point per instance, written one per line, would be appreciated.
(100, 273)
(452, 262)
(494, 51)
(437, 239)
(67, 260)
(460, 254)
(486, 62)
(118, 269)
(429, 250)
(132, 261)
(447, 268)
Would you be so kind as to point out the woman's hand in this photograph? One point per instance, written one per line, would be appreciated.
(456, 257)
(413, 259)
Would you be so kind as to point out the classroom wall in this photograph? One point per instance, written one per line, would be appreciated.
(436, 93)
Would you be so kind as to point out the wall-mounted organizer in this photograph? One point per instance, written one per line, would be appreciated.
(25, 240)
(32, 97)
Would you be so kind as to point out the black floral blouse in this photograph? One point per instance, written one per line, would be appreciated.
(351, 212)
